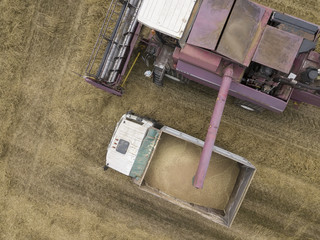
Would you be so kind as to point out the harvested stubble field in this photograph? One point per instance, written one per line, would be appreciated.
(55, 129)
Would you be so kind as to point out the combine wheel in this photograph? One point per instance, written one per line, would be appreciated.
(158, 74)
(248, 105)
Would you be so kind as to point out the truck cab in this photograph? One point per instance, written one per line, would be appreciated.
(130, 134)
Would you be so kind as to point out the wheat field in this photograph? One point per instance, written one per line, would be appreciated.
(55, 129)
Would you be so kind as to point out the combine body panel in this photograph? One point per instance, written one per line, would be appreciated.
(167, 17)
(149, 162)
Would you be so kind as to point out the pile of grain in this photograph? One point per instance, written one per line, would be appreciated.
(174, 165)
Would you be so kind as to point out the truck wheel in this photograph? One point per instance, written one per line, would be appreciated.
(105, 168)
(248, 105)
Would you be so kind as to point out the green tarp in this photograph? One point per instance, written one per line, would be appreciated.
(144, 153)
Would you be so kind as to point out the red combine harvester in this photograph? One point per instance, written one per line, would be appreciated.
(260, 56)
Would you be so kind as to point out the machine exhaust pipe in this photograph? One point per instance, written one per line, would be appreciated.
(213, 128)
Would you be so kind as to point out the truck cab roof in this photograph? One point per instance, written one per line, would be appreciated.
(126, 141)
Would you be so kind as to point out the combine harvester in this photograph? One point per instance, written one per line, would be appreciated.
(260, 56)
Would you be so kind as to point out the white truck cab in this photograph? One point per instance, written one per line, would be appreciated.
(126, 141)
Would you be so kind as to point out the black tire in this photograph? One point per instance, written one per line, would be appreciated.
(248, 105)
(158, 76)
(105, 168)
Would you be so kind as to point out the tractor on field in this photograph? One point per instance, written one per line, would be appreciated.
(256, 54)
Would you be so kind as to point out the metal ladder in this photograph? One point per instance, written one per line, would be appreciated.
(117, 30)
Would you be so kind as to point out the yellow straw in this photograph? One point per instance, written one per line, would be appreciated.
(135, 60)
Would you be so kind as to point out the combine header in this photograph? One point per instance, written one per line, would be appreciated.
(260, 56)
(117, 38)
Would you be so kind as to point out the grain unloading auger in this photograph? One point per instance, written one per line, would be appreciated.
(262, 57)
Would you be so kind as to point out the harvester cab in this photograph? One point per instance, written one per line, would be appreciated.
(260, 56)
